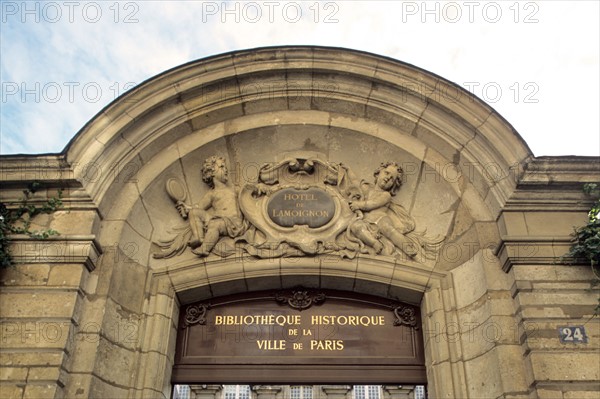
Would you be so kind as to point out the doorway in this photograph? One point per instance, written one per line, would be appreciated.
(301, 391)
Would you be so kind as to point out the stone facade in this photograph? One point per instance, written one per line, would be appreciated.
(91, 313)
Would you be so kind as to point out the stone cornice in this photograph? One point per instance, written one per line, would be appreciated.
(560, 171)
(53, 169)
(81, 249)
(531, 250)
(555, 184)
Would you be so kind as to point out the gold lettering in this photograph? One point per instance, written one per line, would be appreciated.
(299, 197)
(327, 345)
(343, 320)
(264, 319)
(299, 212)
(271, 345)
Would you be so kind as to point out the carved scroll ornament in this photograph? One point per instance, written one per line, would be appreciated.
(405, 316)
(300, 299)
(195, 314)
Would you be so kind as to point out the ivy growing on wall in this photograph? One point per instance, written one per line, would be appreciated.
(586, 239)
(15, 218)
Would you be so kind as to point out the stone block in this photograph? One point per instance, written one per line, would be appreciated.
(83, 354)
(513, 224)
(133, 247)
(512, 368)
(25, 275)
(469, 281)
(161, 304)
(38, 304)
(339, 267)
(380, 272)
(432, 301)
(544, 335)
(481, 383)
(434, 324)
(78, 386)
(220, 270)
(485, 336)
(42, 391)
(154, 371)
(568, 366)
(577, 394)
(493, 303)
(542, 312)
(13, 373)
(121, 326)
(115, 364)
(69, 275)
(25, 334)
(257, 268)
(444, 385)
(437, 344)
(552, 223)
(573, 273)
(535, 272)
(44, 374)
(561, 285)
(410, 276)
(160, 335)
(139, 221)
(103, 389)
(126, 294)
(461, 223)
(20, 359)
(550, 394)
(549, 299)
(11, 390)
(73, 222)
(455, 253)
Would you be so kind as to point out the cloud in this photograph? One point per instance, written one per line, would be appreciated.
(552, 59)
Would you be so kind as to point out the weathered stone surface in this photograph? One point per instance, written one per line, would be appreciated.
(574, 366)
(11, 390)
(467, 175)
(38, 304)
(74, 222)
(469, 280)
(69, 275)
(25, 275)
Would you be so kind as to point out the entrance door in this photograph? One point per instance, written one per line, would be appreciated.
(301, 391)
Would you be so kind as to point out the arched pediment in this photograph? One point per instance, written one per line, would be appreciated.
(460, 158)
(227, 94)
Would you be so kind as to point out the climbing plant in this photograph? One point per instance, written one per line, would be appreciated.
(16, 217)
(586, 239)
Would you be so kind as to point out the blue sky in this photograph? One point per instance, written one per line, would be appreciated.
(535, 62)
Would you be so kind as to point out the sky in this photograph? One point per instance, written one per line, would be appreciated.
(534, 62)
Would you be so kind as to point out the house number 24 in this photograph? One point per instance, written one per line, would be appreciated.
(575, 335)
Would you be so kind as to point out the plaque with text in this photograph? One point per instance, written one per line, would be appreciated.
(290, 207)
(299, 331)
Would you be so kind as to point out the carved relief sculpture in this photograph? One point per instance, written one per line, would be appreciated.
(381, 224)
(216, 215)
(300, 206)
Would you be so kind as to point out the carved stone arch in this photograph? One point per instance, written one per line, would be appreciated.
(93, 312)
(330, 104)
(206, 93)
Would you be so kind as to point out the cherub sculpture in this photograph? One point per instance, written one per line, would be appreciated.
(381, 224)
(375, 201)
(216, 215)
